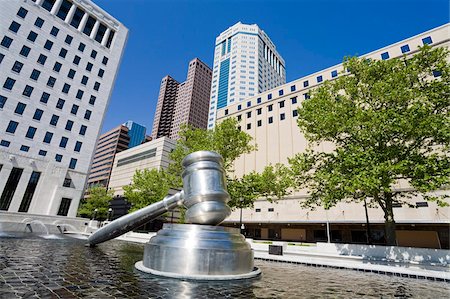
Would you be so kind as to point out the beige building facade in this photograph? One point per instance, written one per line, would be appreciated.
(271, 119)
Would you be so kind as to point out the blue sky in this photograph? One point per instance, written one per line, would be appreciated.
(164, 35)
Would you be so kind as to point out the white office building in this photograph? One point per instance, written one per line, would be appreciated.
(246, 63)
(58, 64)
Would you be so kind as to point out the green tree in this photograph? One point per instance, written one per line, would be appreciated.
(389, 122)
(148, 186)
(99, 198)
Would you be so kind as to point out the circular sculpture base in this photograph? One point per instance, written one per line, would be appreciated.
(200, 252)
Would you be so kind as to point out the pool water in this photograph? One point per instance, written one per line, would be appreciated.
(62, 267)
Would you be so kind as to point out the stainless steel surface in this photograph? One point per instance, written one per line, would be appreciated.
(192, 251)
(204, 195)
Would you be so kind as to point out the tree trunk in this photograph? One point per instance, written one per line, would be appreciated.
(389, 223)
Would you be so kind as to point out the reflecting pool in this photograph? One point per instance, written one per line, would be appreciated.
(62, 267)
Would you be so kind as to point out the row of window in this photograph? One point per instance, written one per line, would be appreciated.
(269, 119)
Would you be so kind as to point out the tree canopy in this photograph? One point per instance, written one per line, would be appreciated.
(389, 122)
(99, 198)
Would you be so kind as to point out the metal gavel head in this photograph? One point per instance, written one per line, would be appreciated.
(204, 188)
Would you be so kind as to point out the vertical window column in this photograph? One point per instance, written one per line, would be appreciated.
(10, 188)
(56, 7)
(70, 14)
(105, 37)
(94, 30)
(83, 22)
(29, 192)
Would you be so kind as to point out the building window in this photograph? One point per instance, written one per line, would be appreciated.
(306, 95)
(319, 79)
(24, 148)
(93, 54)
(71, 73)
(87, 114)
(249, 114)
(270, 209)
(68, 39)
(32, 36)
(257, 210)
(89, 66)
(92, 100)
(404, 48)
(225, 112)
(66, 88)
(20, 108)
(63, 142)
(67, 182)
(258, 100)
(14, 27)
(48, 137)
(105, 60)
(48, 45)
(74, 109)
(22, 12)
(427, 40)
(54, 120)
(84, 80)
(89, 26)
(69, 125)
(39, 22)
(334, 74)
(27, 91)
(12, 126)
(239, 117)
(294, 113)
(81, 47)
(281, 103)
(270, 108)
(294, 100)
(83, 129)
(249, 103)
(239, 107)
(58, 158)
(9, 83)
(38, 114)
(25, 51)
(280, 92)
(77, 147)
(17, 67)
(305, 83)
(42, 58)
(76, 20)
(79, 94)
(269, 96)
(48, 4)
(249, 126)
(42, 153)
(35, 74)
(6, 41)
(73, 163)
(270, 119)
(282, 116)
(57, 67)
(436, 73)
(51, 81)
(259, 111)
(60, 104)
(101, 72)
(385, 55)
(5, 143)
(64, 207)
(63, 53)
(64, 9)
(29, 192)
(293, 88)
(10, 188)
(76, 59)
(44, 98)
(259, 123)
(30, 132)
(2, 101)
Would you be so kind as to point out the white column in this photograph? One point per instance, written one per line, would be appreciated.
(69, 16)
(56, 7)
(83, 22)
(105, 37)
(38, 2)
(94, 30)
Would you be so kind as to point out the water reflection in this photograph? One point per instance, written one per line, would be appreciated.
(66, 268)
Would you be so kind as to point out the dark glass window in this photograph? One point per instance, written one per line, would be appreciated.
(73, 163)
(66, 88)
(89, 66)
(57, 67)
(17, 67)
(71, 73)
(282, 116)
(69, 125)
(89, 26)
(110, 38)
(29, 192)
(294, 113)
(258, 111)
(10, 188)
(81, 47)
(1, 57)
(32, 36)
(92, 100)
(5, 143)
(64, 9)
(334, 74)
(79, 13)
(293, 88)
(280, 92)
(2, 101)
(63, 53)
(77, 147)
(54, 31)
(79, 94)
(101, 72)
(51, 81)
(54, 120)
(437, 73)
(63, 142)
(319, 79)
(74, 109)
(270, 107)
(42, 153)
(249, 126)
(259, 123)
(30, 132)
(60, 104)
(48, 137)
(48, 4)
(87, 114)
(427, 40)
(270, 120)
(258, 100)
(239, 107)
(67, 182)
(9, 83)
(58, 158)
(385, 55)
(84, 80)
(281, 103)
(306, 95)
(269, 96)
(404, 48)
(68, 39)
(39, 22)
(96, 86)
(48, 45)
(25, 51)
(42, 59)
(249, 103)
(22, 12)
(44, 98)
(6, 41)
(76, 60)
(294, 100)
(24, 148)
(305, 83)
(64, 207)
(38, 114)
(35, 74)
(12, 126)
(93, 54)
(20, 108)
(14, 27)
(83, 129)
(105, 60)
(100, 33)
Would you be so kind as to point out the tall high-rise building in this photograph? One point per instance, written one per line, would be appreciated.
(121, 138)
(246, 62)
(58, 64)
(183, 103)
